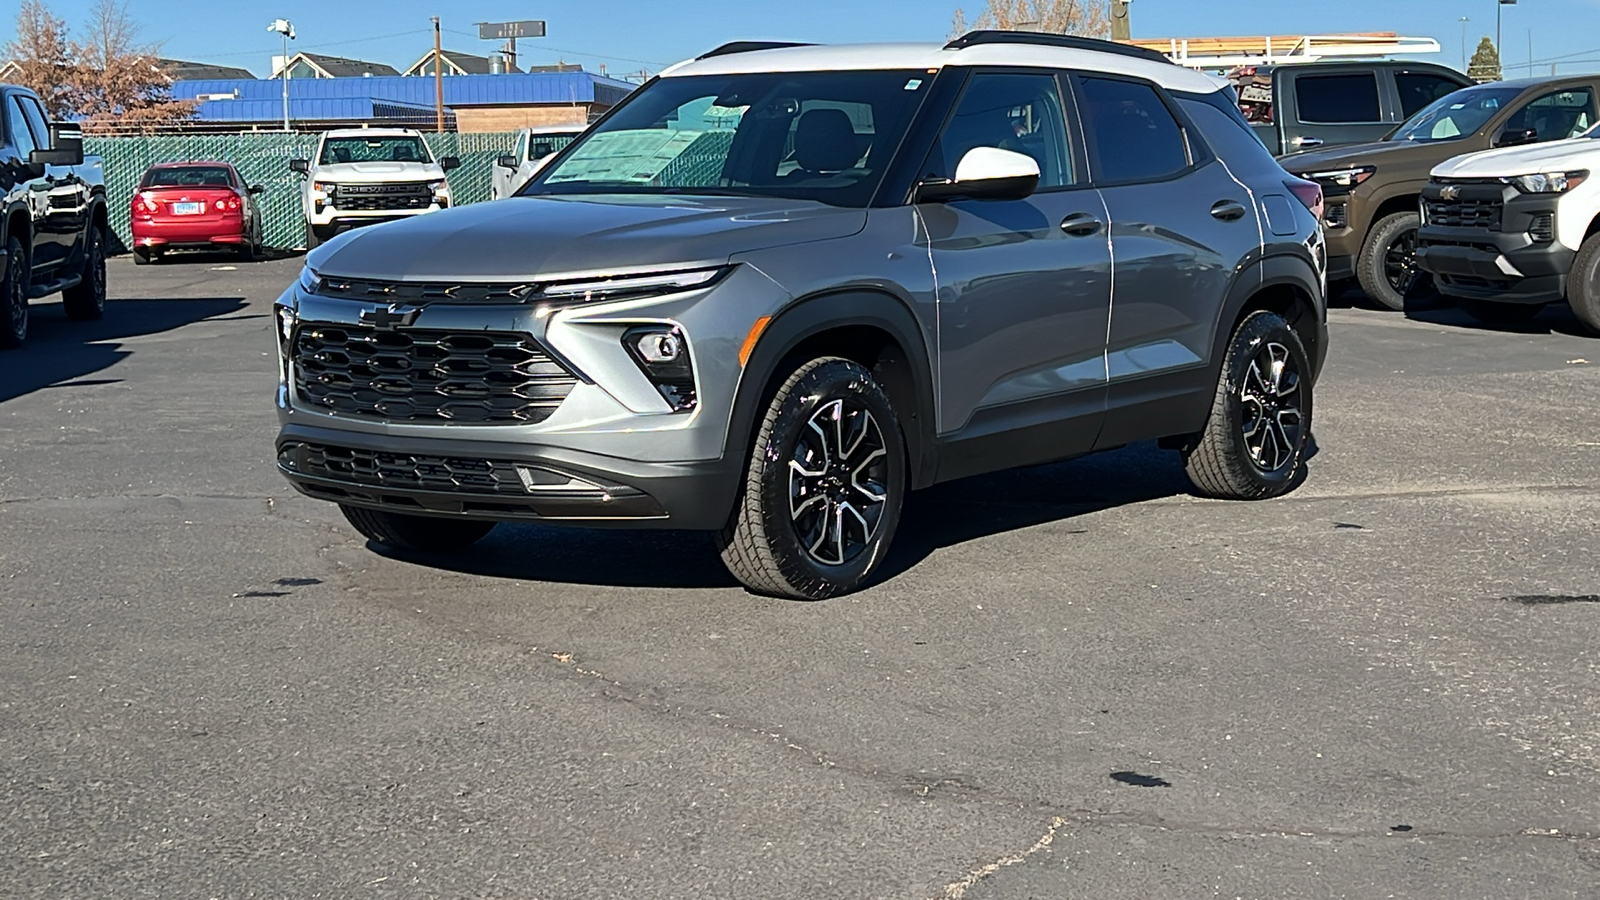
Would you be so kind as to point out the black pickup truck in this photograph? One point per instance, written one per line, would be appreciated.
(1305, 105)
(52, 216)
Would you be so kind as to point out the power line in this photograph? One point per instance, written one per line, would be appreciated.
(365, 40)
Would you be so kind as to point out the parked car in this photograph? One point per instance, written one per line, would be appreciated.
(1374, 190)
(534, 146)
(780, 286)
(362, 176)
(1302, 106)
(52, 216)
(1506, 232)
(195, 206)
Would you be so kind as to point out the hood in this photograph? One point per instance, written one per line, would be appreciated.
(1556, 156)
(361, 172)
(537, 237)
(1374, 154)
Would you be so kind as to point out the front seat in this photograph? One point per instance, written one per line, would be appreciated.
(824, 144)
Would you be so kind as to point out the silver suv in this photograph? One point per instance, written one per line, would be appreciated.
(780, 286)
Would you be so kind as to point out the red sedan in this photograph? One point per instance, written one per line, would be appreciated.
(195, 206)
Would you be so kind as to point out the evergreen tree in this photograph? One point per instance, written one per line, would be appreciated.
(1485, 64)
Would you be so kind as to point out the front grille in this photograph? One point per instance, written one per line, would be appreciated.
(417, 375)
(403, 471)
(438, 292)
(413, 195)
(1464, 213)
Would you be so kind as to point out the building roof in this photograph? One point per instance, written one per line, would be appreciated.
(457, 62)
(341, 67)
(182, 70)
(397, 91)
(930, 57)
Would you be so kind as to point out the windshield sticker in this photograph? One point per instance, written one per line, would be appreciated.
(913, 84)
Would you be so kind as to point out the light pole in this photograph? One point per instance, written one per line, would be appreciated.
(1464, 62)
(285, 28)
(1499, 9)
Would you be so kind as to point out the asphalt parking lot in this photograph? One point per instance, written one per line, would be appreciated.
(1080, 680)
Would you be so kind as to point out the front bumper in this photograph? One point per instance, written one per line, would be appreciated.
(1502, 262)
(503, 481)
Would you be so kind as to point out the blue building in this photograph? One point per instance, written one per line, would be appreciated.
(473, 103)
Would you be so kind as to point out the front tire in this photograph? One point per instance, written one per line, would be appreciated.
(1255, 438)
(1583, 285)
(14, 296)
(1490, 312)
(823, 488)
(313, 237)
(1387, 266)
(417, 534)
(87, 300)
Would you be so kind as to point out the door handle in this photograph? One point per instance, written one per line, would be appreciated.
(1308, 142)
(1228, 210)
(1081, 225)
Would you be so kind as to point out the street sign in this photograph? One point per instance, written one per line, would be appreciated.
(499, 31)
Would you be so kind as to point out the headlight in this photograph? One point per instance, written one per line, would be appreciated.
(632, 285)
(310, 282)
(1341, 179)
(325, 187)
(439, 187)
(1547, 182)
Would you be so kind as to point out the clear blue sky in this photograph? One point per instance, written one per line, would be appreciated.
(629, 34)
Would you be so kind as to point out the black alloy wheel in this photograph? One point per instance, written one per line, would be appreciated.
(838, 483)
(14, 296)
(1400, 264)
(1269, 406)
(1387, 265)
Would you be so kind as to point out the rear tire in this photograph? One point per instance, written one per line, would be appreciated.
(1583, 285)
(14, 296)
(142, 258)
(1490, 312)
(1387, 265)
(417, 534)
(246, 251)
(823, 487)
(1254, 441)
(87, 300)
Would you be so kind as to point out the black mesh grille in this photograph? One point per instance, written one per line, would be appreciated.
(1465, 213)
(417, 375)
(382, 196)
(403, 470)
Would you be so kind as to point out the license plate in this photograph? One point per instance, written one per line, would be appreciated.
(188, 209)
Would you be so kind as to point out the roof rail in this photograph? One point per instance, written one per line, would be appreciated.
(1068, 41)
(733, 47)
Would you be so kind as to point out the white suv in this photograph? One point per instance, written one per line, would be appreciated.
(361, 176)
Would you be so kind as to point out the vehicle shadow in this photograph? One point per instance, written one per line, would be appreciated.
(1557, 318)
(942, 516)
(59, 351)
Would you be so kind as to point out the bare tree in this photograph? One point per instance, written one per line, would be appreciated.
(119, 82)
(43, 57)
(1084, 17)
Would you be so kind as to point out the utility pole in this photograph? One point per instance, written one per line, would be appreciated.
(438, 77)
(1121, 27)
(1499, 10)
(1464, 63)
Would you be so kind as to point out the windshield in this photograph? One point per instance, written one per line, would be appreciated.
(1455, 115)
(373, 149)
(187, 176)
(824, 136)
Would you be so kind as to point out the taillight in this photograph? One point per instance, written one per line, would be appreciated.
(1308, 192)
(145, 205)
(230, 203)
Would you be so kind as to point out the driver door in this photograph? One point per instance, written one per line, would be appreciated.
(1023, 286)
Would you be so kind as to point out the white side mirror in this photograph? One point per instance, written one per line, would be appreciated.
(986, 173)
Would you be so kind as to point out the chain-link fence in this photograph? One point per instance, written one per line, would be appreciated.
(263, 159)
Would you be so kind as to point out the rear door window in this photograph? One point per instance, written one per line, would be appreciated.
(1418, 89)
(1133, 136)
(1349, 99)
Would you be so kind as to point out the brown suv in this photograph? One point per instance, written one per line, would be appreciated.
(1374, 190)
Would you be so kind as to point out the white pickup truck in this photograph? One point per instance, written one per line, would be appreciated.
(534, 146)
(1506, 232)
(360, 176)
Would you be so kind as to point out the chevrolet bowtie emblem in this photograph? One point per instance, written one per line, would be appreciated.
(390, 317)
(1449, 192)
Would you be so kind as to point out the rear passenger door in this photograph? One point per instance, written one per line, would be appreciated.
(1331, 107)
(1180, 225)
